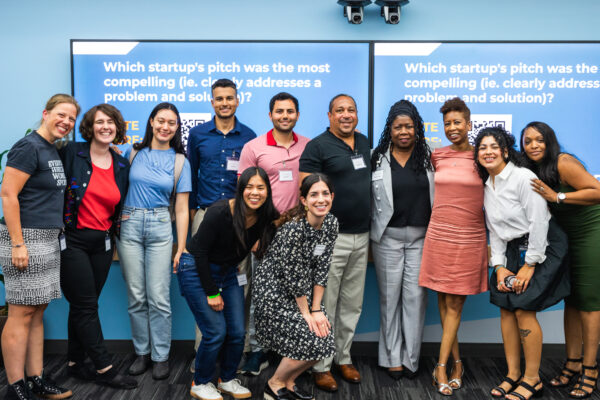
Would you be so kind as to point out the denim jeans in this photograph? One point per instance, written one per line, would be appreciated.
(219, 328)
(145, 248)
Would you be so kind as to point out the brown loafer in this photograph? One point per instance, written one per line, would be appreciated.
(325, 381)
(349, 373)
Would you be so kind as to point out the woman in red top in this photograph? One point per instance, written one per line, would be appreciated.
(97, 180)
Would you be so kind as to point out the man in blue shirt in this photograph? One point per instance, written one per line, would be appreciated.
(214, 150)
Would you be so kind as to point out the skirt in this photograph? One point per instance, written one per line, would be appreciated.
(550, 282)
(40, 281)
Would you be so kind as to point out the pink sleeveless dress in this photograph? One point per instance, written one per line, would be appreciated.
(455, 251)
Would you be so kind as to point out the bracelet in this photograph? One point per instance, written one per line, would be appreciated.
(314, 311)
(214, 296)
(497, 267)
(14, 246)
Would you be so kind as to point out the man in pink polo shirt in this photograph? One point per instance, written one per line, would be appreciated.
(278, 153)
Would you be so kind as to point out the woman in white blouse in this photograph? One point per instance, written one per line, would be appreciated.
(528, 257)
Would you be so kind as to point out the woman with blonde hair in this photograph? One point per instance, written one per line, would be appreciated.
(32, 203)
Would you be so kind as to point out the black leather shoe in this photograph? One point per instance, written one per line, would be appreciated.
(282, 394)
(301, 394)
(114, 379)
(81, 372)
(139, 365)
(160, 370)
(395, 375)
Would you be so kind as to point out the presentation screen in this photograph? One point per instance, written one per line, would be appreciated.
(135, 76)
(508, 84)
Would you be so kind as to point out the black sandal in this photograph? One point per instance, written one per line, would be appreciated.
(530, 389)
(513, 385)
(567, 373)
(581, 383)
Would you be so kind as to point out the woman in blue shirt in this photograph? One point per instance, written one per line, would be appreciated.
(146, 240)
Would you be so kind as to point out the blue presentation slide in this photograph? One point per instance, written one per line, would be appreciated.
(509, 84)
(135, 76)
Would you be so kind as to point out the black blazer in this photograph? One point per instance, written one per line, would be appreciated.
(77, 163)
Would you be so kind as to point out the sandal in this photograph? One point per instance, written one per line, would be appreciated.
(530, 389)
(567, 373)
(456, 383)
(513, 385)
(442, 388)
(579, 386)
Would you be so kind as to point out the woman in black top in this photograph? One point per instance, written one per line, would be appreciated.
(401, 197)
(212, 285)
(32, 201)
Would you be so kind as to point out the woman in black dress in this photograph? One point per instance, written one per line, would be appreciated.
(289, 285)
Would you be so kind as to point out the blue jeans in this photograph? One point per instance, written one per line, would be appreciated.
(219, 328)
(145, 248)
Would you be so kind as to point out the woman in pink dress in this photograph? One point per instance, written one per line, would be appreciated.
(454, 260)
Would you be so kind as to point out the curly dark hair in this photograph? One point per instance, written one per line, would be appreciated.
(505, 140)
(421, 151)
(456, 104)
(86, 127)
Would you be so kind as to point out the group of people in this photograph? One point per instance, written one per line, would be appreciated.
(256, 222)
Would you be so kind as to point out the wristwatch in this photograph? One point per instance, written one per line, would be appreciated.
(560, 197)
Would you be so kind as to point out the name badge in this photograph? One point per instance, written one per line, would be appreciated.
(107, 243)
(233, 164)
(319, 249)
(63, 242)
(242, 279)
(285, 175)
(377, 175)
(358, 162)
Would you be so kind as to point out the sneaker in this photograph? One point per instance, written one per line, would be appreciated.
(234, 388)
(18, 391)
(256, 361)
(207, 391)
(46, 388)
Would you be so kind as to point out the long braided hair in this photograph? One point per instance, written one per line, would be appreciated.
(421, 152)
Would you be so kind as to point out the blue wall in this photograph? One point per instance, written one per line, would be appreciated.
(35, 63)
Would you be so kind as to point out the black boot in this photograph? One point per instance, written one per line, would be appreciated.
(18, 391)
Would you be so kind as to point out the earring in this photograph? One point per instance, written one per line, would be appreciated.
(305, 208)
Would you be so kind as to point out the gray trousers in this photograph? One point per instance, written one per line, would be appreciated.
(343, 296)
(402, 301)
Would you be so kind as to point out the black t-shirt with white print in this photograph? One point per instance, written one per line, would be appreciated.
(42, 198)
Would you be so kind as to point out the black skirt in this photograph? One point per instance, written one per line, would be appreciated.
(550, 282)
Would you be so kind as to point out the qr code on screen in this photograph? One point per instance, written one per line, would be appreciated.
(189, 121)
(480, 121)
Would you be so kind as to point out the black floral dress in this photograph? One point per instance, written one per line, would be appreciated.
(297, 259)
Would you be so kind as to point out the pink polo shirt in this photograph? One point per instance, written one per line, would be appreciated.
(279, 163)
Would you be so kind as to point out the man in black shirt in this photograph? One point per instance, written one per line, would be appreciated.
(344, 155)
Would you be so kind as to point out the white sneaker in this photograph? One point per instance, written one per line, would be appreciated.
(205, 392)
(234, 388)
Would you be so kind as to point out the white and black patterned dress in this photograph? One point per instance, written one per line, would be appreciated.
(297, 259)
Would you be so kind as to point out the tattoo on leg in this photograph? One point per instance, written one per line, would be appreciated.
(524, 333)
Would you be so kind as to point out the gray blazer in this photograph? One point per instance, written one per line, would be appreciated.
(382, 198)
